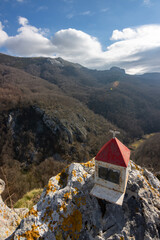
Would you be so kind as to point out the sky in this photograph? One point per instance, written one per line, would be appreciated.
(97, 34)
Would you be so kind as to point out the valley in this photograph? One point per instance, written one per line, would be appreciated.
(54, 112)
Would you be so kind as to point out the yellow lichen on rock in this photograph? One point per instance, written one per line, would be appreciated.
(80, 201)
(50, 226)
(85, 175)
(32, 234)
(50, 188)
(68, 195)
(121, 238)
(151, 188)
(58, 176)
(76, 190)
(62, 177)
(79, 179)
(73, 224)
(83, 200)
(32, 211)
(7, 233)
(145, 179)
(47, 214)
(18, 222)
(89, 164)
(74, 173)
(63, 207)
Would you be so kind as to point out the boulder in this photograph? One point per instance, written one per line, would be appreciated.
(66, 210)
(9, 220)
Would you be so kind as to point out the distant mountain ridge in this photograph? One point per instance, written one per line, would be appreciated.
(131, 102)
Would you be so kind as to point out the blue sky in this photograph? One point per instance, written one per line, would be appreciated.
(95, 33)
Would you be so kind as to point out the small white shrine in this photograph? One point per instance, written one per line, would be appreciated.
(111, 171)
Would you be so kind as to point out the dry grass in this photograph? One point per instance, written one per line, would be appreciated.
(20, 182)
(29, 199)
(137, 143)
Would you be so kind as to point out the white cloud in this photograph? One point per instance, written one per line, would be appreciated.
(86, 13)
(128, 50)
(126, 33)
(136, 40)
(104, 10)
(20, 0)
(70, 15)
(23, 21)
(147, 2)
(1, 26)
(73, 44)
(3, 35)
(42, 8)
(30, 41)
(5, 21)
(135, 49)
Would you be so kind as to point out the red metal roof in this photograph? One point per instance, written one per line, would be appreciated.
(114, 152)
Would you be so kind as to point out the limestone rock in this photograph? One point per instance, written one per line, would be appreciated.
(66, 209)
(61, 127)
(21, 212)
(2, 186)
(9, 220)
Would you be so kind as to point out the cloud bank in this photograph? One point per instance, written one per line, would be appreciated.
(135, 49)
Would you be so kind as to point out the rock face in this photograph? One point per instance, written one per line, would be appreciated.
(2, 186)
(9, 220)
(34, 133)
(66, 209)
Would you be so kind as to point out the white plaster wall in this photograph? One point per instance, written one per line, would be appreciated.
(123, 176)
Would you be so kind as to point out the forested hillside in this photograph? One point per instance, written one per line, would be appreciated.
(148, 154)
(130, 102)
(53, 112)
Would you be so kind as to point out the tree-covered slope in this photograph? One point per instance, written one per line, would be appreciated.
(42, 128)
(53, 112)
(130, 102)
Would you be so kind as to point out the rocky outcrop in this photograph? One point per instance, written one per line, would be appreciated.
(66, 209)
(62, 129)
(9, 220)
(32, 134)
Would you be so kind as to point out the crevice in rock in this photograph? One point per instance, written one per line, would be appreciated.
(102, 204)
